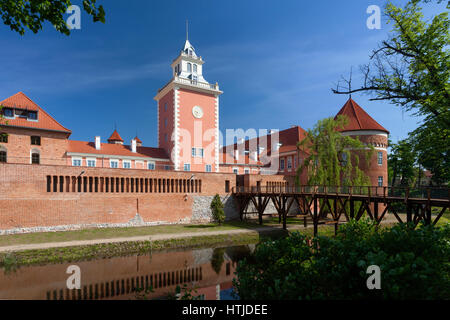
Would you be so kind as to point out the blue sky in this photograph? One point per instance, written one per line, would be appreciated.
(276, 62)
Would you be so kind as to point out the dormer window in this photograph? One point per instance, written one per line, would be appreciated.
(8, 112)
(21, 113)
(32, 115)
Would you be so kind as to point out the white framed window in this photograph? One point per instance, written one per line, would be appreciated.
(35, 156)
(380, 181)
(208, 168)
(195, 68)
(126, 164)
(380, 158)
(189, 67)
(138, 164)
(166, 167)
(91, 162)
(76, 162)
(289, 163)
(295, 161)
(236, 170)
(281, 164)
(114, 163)
(187, 167)
(246, 171)
(151, 166)
(197, 152)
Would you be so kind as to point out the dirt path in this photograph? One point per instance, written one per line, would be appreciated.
(164, 236)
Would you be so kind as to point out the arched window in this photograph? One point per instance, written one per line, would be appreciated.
(3, 155)
(195, 68)
(189, 67)
(35, 157)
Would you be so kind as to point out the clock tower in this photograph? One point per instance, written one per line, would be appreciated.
(188, 115)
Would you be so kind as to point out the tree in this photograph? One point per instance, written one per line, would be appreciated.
(333, 158)
(20, 15)
(217, 259)
(413, 264)
(217, 209)
(431, 143)
(411, 69)
(402, 159)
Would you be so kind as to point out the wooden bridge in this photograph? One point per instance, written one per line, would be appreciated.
(335, 205)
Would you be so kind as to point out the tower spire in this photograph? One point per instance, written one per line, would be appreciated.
(187, 30)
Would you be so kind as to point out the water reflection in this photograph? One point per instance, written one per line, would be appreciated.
(209, 271)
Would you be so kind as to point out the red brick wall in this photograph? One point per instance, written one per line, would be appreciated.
(52, 149)
(25, 202)
(371, 168)
(268, 180)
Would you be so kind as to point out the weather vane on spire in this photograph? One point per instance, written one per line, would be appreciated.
(187, 29)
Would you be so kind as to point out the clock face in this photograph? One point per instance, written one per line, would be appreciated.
(197, 112)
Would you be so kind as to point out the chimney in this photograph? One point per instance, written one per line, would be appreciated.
(133, 145)
(236, 154)
(97, 143)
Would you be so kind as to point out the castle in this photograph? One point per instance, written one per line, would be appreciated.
(189, 158)
(188, 134)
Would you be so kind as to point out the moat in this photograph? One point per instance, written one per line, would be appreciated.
(155, 275)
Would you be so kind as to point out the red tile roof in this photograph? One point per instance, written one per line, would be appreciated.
(44, 122)
(137, 139)
(358, 119)
(288, 139)
(115, 136)
(115, 150)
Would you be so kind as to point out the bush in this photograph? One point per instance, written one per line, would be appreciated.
(414, 265)
(217, 209)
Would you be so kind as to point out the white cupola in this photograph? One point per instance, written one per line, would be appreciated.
(188, 65)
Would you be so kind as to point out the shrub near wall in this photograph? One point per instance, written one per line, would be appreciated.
(414, 265)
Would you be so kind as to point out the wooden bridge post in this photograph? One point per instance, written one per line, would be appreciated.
(428, 207)
(408, 212)
(259, 210)
(315, 215)
(375, 210)
(352, 209)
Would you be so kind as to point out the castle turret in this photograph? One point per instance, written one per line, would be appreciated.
(188, 115)
(115, 138)
(361, 125)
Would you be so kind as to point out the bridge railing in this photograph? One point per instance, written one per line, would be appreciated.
(374, 191)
